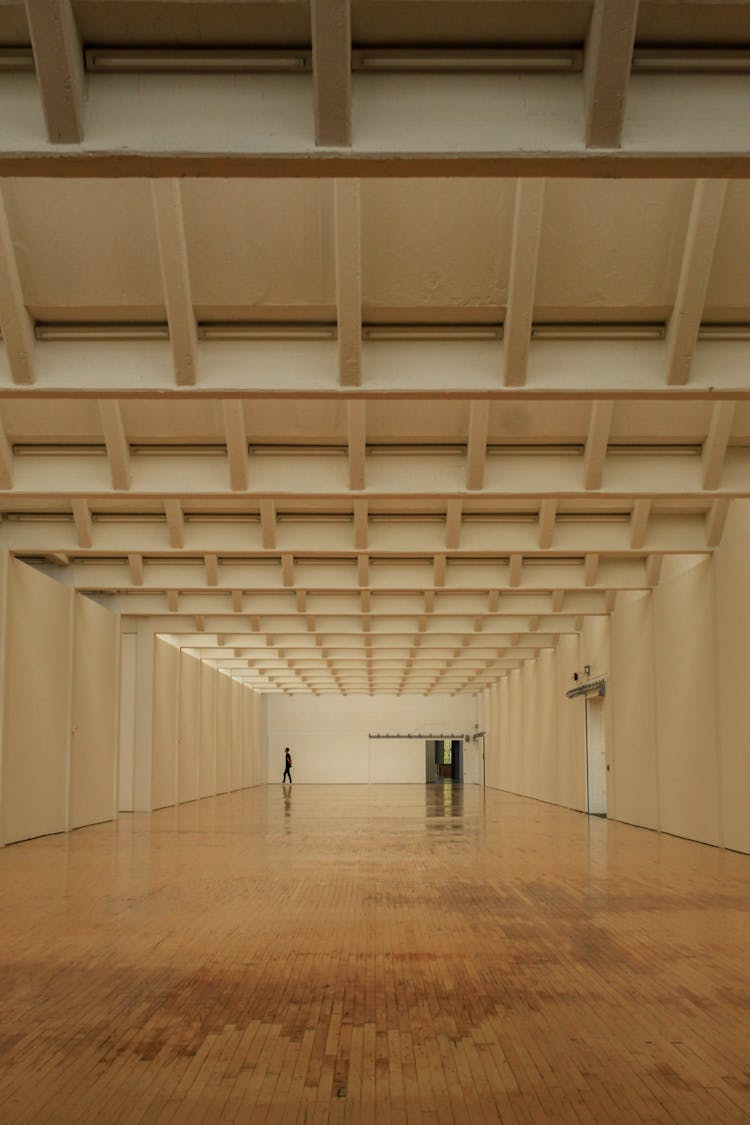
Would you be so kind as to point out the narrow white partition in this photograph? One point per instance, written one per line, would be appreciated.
(94, 727)
(207, 736)
(60, 691)
(38, 655)
(206, 729)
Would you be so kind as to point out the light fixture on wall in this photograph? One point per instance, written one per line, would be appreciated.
(588, 687)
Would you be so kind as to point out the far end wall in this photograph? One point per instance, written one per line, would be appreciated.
(328, 735)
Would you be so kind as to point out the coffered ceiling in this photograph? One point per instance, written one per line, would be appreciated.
(373, 413)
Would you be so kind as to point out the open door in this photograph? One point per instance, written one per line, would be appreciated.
(444, 760)
(596, 768)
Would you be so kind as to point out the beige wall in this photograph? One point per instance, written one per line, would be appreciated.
(127, 706)
(206, 729)
(636, 782)
(251, 738)
(207, 735)
(534, 734)
(223, 730)
(732, 609)
(165, 724)
(665, 713)
(94, 727)
(235, 736)
(60, 661)
(328, 735)
(188, 733)
(676, 712)
(686, 718)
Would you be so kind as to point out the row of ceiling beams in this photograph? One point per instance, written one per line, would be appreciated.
(59, 64)
(380, 664)
(596, 467)
(669, 363)
(532, 535)
(593, 571)
(329, 116)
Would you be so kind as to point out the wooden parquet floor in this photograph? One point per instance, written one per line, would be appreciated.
(361, 954)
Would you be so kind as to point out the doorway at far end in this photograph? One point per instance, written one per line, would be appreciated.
(444, 760)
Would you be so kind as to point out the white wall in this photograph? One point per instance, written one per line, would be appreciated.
(535, 736)
(680, 701)
(95, 687)
(206, 729)
(732, 640)
(59, 654)
(126, 783)
(677, 711)
(328, 735)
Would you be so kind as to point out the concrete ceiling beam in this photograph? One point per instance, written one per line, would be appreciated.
(348, 259)
(15, 323)
(606, 73)
(697, 258)
(332, 72)
(118, 449)
(527, 231)
(58, 61)
(235, 435)
(173, 258)
(716, 444)
(595, 452)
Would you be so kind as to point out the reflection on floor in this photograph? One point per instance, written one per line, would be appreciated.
(353, 953)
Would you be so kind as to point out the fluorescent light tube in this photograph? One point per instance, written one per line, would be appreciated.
(124, 60)
(724, 332)
(681, 60)
(432, 332)
(16, 59)
(598, 332)
(90, 332)
(415, 60)
(247, 331)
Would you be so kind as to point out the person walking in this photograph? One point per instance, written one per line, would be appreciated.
(287, 767)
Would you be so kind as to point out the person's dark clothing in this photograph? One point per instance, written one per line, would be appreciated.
(287, 768)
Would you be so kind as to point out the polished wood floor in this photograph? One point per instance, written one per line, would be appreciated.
(362, 954)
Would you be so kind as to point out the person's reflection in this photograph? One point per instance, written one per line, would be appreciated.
(287, 791)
